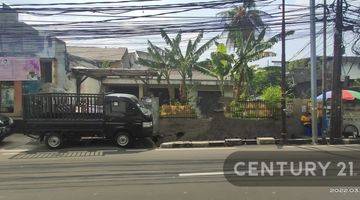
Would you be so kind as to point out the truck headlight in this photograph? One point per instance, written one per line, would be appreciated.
(147, 124)
(11, 121)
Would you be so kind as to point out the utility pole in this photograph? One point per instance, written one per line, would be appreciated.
(283, 76)
(336, 117)
(323, 77)
(313, 72)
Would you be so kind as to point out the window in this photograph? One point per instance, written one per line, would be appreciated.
(118, 107)
(7, 97)
(46, 71)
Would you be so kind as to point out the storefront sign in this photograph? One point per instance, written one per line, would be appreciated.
(19, 69)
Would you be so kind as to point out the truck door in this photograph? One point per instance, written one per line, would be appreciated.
(123, 114)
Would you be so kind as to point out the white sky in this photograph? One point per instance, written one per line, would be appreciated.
(140, 43)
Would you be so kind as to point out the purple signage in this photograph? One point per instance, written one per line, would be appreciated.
(19, 69)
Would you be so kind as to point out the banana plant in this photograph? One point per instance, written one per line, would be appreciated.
(160, 61)
(186, 61)
(219, 65)
(248, 50)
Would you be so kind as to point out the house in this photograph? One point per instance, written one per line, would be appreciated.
(205, 88)
(299, 74)
(125, 75)
(95, 58)
(30, 61)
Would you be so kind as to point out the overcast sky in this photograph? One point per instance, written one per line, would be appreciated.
(293, 46)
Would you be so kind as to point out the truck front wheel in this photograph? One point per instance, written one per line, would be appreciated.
(123, 139)
(53, 140)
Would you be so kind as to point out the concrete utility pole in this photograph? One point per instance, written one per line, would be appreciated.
(336, 117)
(313, 72)
(283, 73)
(323, 77)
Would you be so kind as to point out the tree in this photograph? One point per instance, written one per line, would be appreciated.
(248, 50)
(160, 61)
(219, 65)
(185, 63)
(265, 77)
(245, 18)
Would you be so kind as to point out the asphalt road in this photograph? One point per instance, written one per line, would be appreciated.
(28, 171)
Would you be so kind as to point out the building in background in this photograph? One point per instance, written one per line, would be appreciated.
(299, 74)
(30, 61)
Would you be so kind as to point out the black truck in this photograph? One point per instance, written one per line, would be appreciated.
(56, 117)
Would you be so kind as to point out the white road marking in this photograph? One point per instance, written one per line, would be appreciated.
(201, 174)
(137, 150)
(13, 150)
(228, 172)
(9, 154)
(191, 149)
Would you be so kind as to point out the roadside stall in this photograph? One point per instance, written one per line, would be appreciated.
(350, 112)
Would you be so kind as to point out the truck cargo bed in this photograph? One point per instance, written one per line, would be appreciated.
(66, 107)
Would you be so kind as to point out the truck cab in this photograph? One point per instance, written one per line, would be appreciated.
(127, 116)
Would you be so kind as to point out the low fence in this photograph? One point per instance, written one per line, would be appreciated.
(252, 109)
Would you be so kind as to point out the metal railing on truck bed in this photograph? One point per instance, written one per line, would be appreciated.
(60, 106)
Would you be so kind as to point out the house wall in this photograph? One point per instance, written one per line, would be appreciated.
(228, 91)
(28, 42)
(56, 52)
(90, 85)
(125, 60)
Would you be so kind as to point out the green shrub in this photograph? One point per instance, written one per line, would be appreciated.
(272, 95)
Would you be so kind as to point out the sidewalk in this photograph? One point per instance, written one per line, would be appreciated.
(240, 142)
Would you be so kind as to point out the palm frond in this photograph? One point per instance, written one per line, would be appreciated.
(165, 36)
(198, 39)
(205, 46)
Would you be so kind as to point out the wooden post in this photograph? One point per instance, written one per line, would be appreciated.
(336, 117)
(78, 84)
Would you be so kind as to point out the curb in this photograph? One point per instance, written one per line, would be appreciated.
(201, 144)
(240, 142)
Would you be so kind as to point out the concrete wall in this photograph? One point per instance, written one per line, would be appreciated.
(219, 128)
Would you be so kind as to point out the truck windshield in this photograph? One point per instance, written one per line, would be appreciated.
(142, 107)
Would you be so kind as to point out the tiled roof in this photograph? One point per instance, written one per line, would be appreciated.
(97, 54)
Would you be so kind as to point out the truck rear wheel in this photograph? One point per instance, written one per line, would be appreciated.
(351, 130)
(123, 139)
(53, 140)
